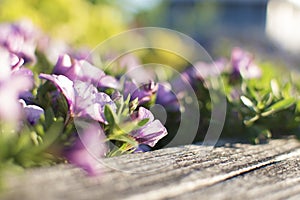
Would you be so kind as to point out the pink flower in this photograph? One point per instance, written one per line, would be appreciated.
(200, 71)
(144, 93)
(150, 133)
(32, 112)
(83, 99)
(243, 65)
(82, 70)
(167, 98)
(13, 81)
(20, 38)
(88, 148)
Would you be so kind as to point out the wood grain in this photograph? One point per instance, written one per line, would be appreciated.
(231, 171)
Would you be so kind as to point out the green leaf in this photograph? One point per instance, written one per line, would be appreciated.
(133, 105)
(275, 88)
(125, 128)
(133, 125)
(259, 134)
(124, 138)
(110, 116)
(249, 89)
(120, 106)
(281, 105)
(247, 102)
(249, 122)
(125, 148)
(143, 122)
(298, 106)
(288, 90)
(269, 100)
(127, 99)
(28, 154)
(24, 141)
(53, 132)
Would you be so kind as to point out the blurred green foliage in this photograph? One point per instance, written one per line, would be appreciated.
(75, 21)
(86, 22)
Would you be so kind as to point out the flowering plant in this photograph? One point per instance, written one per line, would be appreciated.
(68, 110)
(40, 103)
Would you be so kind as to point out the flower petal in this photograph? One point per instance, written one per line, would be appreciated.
(144, 93)
(143, 113)
(90, 103)
(65, 85)
(167, 98)
(150, 133)
(32, 112)
(108, 82)
(88, 149)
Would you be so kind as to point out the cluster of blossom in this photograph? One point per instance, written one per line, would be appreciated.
(81, 84)
(17, 47)
(241, 65)
(84, 88)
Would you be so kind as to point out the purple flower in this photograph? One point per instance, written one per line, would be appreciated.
(13, 81)
(16, 62)
(144, 93)
(27, 96)
(150, 133)
(167, 98)
(5, 68)
(142, 148)
(82, 70)
(10, 108)
(90, 103)
(20, 38)
(185, 79)
(88, 149)
(243, 65)
(65, 85)
(10, 63)
(51, 48)
(83, 99)
(203, 70)
(199, 72)
(32, 112)
(83, 53)
(26, 73)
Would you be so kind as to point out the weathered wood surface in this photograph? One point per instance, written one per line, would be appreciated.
(231, 171)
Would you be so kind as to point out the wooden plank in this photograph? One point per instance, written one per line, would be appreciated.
(229, 171)
(279, 180)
